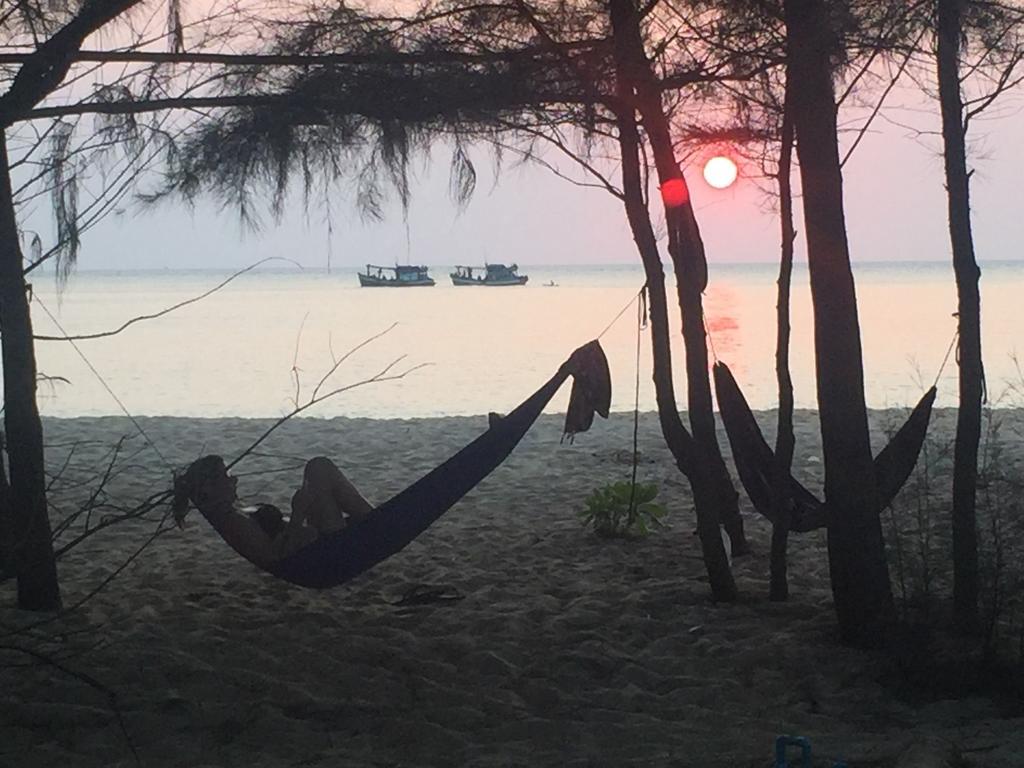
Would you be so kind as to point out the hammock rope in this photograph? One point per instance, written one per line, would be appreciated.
(710, 336)
(641, 293)
(945, 359)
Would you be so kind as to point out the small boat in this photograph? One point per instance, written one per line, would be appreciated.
(401, 276)
(489, 274)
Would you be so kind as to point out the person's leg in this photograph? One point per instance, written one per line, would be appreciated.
(328, 485)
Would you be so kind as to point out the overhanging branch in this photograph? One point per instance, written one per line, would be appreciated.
(317, 108)
(44, 69)
(307, 60)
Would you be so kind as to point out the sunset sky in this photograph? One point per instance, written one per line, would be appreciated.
(893, 186)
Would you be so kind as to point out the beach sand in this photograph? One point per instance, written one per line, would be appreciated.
(565, 650)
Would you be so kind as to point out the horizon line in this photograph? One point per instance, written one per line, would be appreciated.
(544, 265)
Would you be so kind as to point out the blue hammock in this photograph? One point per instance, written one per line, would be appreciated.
(335, 558)
(755, 460)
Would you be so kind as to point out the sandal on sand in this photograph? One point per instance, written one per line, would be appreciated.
(425, 594)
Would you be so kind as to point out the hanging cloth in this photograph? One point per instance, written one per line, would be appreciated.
(755, 460)
(334, 558)
(591, 390)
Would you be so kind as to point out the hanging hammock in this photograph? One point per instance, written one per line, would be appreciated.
(755, 460)
(334, 558)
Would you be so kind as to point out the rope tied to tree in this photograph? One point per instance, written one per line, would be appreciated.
(709, 336)
(945, 359)
(641, 324)
(641, 294)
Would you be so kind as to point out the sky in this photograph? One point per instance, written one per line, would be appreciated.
(895, 207)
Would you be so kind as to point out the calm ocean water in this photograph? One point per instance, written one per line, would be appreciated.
(248, 349)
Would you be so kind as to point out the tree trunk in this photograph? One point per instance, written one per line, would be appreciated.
(32, 547)
(860, 577)
(968, 423)
(686, 249)
(699, 402)
(784, 439)
(682, 445)
(6, 530)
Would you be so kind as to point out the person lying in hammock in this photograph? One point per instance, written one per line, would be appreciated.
(325, 503)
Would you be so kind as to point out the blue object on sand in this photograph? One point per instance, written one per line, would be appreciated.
(782, 744)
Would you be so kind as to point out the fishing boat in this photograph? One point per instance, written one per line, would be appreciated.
(489, 274)
(400, 276)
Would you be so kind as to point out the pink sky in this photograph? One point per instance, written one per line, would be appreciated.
(895, 205)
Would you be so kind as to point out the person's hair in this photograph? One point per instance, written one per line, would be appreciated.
(188, 482)
(269, 518)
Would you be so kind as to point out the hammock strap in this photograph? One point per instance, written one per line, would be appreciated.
(710, 337)
(640, 294)
(945, 359)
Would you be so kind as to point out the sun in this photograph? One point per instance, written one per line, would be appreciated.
(720, 172)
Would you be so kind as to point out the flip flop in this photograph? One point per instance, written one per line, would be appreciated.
(425, 594)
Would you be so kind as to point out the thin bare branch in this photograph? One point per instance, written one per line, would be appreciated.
(166, 310)
(377, 378)
(347, 355)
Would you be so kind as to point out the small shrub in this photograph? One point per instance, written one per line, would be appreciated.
(1000, 543)
(622, 510)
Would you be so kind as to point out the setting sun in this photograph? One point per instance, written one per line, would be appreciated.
(720, 172)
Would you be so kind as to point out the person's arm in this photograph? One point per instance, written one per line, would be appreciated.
(296, 533)
(244, 535)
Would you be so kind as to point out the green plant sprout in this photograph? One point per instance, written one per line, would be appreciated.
(622, 510)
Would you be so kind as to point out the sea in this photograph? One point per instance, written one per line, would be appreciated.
(272, 340)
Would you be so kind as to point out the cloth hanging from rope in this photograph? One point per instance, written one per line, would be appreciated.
(591, 389)
(755, 460)
(333, 559)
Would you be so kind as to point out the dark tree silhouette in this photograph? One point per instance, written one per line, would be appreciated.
(997, 30)
(968, 423)
(785, 442)
(31, 546)
(715, 499)
(857, 563)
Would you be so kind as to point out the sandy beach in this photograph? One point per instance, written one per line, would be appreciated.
(562, 650)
